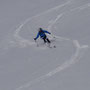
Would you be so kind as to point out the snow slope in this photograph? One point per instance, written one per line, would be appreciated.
(24, 66)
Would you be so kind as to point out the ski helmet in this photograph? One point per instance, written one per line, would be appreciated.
(40, 29)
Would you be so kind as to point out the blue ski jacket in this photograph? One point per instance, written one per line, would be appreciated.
(42, 34)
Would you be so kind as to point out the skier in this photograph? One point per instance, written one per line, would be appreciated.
(42, 35)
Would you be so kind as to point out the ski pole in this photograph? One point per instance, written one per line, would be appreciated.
(37, 43)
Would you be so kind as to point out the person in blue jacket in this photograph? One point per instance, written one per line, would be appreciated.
(42, 35)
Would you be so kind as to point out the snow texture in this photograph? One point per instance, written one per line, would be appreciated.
(24, 66)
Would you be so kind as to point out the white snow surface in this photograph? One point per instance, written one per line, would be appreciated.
(24, 66)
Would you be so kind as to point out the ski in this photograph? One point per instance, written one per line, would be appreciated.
(51, 46)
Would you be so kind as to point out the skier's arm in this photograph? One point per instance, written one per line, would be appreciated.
(37, 36)
(46, 32)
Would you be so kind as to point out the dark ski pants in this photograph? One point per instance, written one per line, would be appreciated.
(46, 39)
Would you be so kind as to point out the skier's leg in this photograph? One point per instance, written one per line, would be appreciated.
(44, 40)
(48, 40)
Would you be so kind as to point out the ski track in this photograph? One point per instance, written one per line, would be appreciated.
(80, 49)
(23, 42)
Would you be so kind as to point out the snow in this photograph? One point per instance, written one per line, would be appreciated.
(24, 66)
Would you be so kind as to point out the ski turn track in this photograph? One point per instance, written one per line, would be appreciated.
(80, 49)
(23, 42)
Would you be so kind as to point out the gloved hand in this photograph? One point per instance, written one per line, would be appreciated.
(35, 39)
